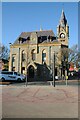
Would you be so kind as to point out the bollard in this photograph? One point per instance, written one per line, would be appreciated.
(66, 80)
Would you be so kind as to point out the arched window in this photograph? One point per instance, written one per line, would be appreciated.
(23, 56)
(13, 62)
(23, 62)
(43, 56)
(33, 55)
(13, 58)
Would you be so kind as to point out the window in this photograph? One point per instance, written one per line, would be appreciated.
(9, 73)
(4, 72)
(13, 61)
(43, 56)
(23, 55)
(15, 73)
(62, 40)
(33, 55)
(13, 68)
(23, 70)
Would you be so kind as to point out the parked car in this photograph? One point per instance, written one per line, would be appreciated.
(11, 76)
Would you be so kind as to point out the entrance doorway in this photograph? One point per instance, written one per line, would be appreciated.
(31, 71)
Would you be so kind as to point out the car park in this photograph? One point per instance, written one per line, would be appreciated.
(11, 76)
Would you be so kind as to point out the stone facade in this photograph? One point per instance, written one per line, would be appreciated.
(32, 52)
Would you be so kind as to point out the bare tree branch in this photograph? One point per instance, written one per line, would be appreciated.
(4, 52)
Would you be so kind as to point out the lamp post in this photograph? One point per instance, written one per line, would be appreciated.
(44, 70)
(27, 62)
(26, 77)
(54, 69)
(26, 69)
(10, 63)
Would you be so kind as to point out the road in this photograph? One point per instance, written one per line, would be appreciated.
(40, 101)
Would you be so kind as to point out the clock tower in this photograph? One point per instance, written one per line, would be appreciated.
(63, 30)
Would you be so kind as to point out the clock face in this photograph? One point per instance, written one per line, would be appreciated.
(62, 35)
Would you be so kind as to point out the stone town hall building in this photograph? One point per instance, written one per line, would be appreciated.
(32, 52)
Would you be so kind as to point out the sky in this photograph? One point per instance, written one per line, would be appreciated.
(20, 17)
(79, 26)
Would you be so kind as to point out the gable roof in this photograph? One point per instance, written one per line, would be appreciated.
(25, 35)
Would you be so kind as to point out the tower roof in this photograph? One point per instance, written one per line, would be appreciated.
(63, 20)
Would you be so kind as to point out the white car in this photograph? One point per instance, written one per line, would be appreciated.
(10, 75)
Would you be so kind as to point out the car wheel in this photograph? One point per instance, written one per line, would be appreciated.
(2, 79)
(19, 80)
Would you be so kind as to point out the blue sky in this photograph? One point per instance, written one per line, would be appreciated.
(20, 17)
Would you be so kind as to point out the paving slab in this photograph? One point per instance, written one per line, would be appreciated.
(40, 101)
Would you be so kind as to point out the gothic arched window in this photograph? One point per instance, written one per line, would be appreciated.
(13, 62)
(23, 55)
(33, 55)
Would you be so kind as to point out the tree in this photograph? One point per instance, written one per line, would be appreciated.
(4, 52)
(72, 54)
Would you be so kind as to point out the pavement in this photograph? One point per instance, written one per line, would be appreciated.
(39, 101)
(5, 83)
(57, 82)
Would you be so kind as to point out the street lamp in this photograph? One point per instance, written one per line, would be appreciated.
(26, 78)
(54, 69)
(27, 70)
(10, 63)
(27, 62)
